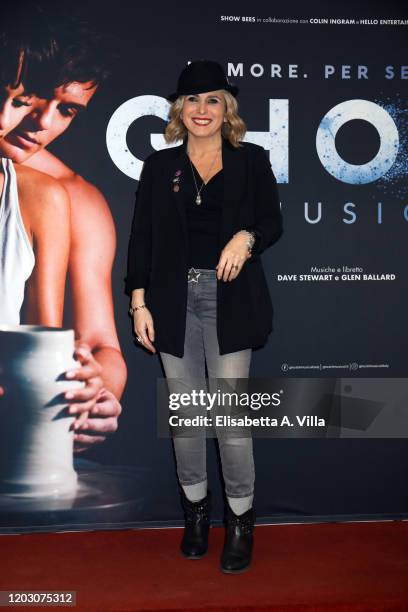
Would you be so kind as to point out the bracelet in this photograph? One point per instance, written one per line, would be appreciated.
(133, 309)
(251, 239)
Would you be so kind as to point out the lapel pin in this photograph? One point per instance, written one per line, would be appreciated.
(176, 180)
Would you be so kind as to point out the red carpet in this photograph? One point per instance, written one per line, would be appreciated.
(356, 567)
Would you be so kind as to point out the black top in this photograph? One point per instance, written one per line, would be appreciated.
(203, 220)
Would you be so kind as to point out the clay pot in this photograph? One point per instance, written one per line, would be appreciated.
(36, 444)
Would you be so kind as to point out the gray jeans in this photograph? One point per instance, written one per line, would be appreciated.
(201, 349)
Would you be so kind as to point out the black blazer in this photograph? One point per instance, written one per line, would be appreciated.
(158, 248)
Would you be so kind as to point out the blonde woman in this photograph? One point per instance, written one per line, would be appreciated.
(204, 212)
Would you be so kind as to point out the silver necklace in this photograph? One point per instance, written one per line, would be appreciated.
(198, 199)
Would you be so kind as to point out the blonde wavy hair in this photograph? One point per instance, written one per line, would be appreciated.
(233, 129)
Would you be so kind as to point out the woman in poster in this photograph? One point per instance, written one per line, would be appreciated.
(52, 62)
(35, 219)
(205, 211)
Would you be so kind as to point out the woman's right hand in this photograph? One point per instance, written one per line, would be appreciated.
(144, 328)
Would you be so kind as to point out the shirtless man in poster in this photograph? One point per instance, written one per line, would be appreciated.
(71, 71)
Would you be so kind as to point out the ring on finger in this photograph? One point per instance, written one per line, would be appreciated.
(138, 338)
(235, 267)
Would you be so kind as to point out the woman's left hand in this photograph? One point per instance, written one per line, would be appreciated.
(233, 256)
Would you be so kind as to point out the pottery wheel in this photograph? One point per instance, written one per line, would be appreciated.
(105, 494)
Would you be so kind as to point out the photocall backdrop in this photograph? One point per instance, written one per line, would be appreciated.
(323, 88)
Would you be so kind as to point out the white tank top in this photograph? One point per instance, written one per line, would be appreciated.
(16, 254)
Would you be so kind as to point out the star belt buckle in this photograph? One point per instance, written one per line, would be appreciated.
(193, 275)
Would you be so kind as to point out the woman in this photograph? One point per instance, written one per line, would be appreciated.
(34, 221)
(34, 209)
(204, 213)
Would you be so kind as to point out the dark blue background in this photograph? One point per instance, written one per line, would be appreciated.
(364, 323)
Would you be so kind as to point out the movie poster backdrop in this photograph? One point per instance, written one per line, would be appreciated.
(323, 88)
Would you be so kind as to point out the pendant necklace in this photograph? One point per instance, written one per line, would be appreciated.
(198, 199)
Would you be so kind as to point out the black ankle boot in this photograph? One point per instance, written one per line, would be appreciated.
(194, 544)
(237, 553)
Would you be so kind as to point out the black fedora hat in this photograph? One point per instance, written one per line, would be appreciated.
(201, 76)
